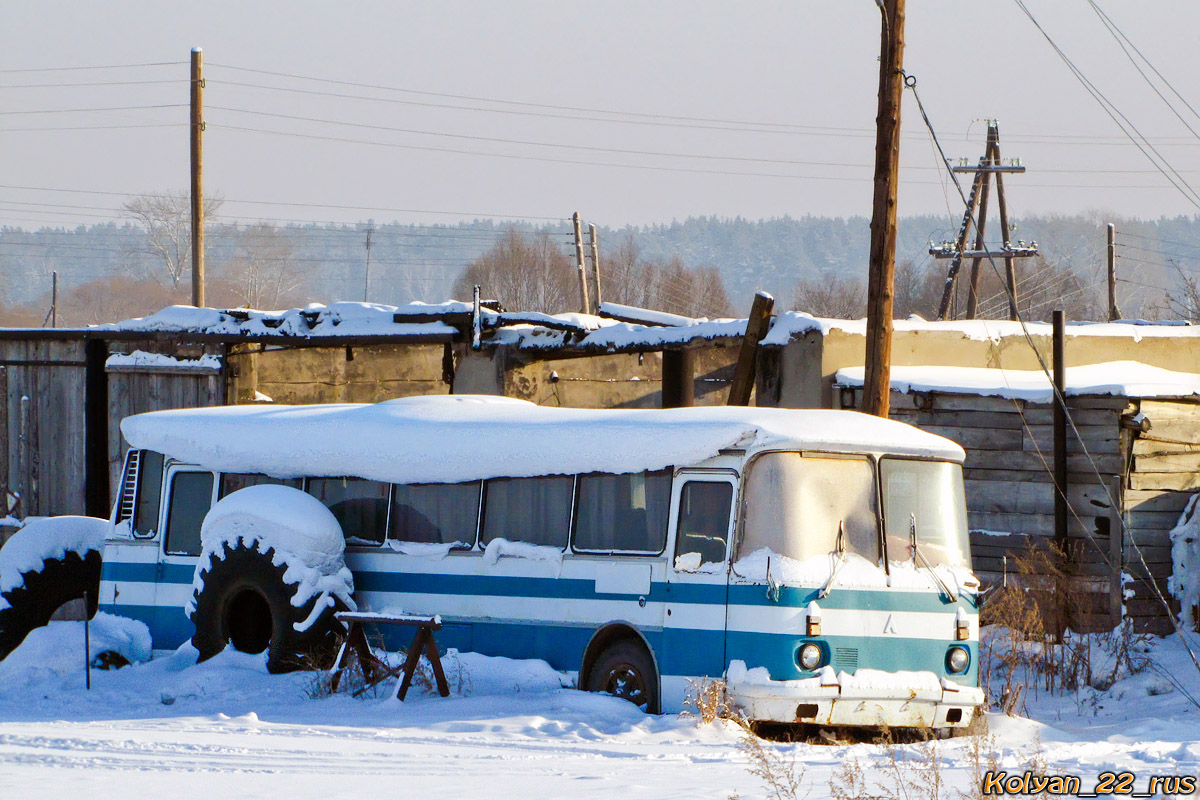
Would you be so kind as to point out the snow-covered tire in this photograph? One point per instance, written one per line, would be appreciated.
(624, 669)
(245, 601)
(41, 591)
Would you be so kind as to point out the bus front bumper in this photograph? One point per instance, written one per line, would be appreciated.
(867, 698)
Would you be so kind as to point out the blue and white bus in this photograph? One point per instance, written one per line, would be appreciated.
(817, 561)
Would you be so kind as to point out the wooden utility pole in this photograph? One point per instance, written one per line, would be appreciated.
(1060, 430)
(1114, 313)
(197, 131)
(990, 159)
(585, 306)
(883, 213)
(976, 214)
(54, 299)
(367, 272)
(595, 243)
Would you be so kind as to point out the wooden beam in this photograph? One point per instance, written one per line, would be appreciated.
(757, 325)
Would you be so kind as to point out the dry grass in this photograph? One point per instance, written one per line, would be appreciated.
(708, 702)
(1025, 647)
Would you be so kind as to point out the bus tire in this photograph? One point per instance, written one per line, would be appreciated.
(624, 669)
(244, 601)
(42, 591)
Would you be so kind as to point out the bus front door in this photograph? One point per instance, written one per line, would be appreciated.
(702, 506)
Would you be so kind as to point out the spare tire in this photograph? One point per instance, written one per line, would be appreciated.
(246, 602)
(271, 575)
(47, 563)
(43, 590)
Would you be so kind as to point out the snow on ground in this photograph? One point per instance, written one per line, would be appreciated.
(225, 728)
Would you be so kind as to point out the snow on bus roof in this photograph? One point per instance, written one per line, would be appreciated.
(1117, 378)
(451, 438)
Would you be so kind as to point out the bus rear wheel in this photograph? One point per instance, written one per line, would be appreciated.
(625, 670)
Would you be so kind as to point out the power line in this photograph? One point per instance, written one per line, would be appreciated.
(1117, 37)
(105, 66)
(87, 83)
(96, 127)
(86, 110)
(1113, 27)
(474, 214)
(1113, 112)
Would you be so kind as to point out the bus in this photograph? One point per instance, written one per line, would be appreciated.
(816, 561)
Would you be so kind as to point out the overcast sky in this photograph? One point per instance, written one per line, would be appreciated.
(796, 81)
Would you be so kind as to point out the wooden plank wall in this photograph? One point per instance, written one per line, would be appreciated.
(41, 430)
(134, 391)
(1163, 477)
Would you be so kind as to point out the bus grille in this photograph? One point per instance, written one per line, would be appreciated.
(845, 659)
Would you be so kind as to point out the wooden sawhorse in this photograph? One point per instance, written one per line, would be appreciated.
(376, 671)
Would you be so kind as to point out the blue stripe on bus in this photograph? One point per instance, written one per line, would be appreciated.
(141, 572)
(695, 652)
(583, 589)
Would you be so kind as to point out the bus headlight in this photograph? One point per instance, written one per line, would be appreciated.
(957, 660)
(809, 656)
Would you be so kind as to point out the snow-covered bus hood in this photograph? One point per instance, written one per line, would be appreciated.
(451, 438)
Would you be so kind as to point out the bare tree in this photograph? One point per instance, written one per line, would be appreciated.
(167, 220)
(1181, 303)
(263, 274)
(525, 273)
(918, 290)
(831, 296)
(662, 285)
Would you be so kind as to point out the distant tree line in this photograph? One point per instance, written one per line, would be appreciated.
(705, 267)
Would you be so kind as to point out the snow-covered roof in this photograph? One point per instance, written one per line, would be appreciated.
(1117, 378)
(577, 331)
(468, 437)
(790, 323)
(336, 319)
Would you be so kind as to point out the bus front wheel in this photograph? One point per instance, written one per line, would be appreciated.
(625, 670)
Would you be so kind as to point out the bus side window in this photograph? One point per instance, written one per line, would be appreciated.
(150, 479)
(233, 481)
(623, 513)
(533, 510)
(361, 507)
(435, 513)
(190, 499)
(703, 527)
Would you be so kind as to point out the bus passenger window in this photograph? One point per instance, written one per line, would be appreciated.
(150, 478)
(703, 528)
(623, 513)
(233, 481)
(533, 510)
(435, 513)
(191, 497)
(361, 507)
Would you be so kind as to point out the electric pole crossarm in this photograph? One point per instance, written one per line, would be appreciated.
(996, 168)
(1007, 252)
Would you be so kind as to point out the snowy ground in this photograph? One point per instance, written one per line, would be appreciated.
(172, 728)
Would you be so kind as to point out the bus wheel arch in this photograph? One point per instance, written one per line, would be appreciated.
(621, 643)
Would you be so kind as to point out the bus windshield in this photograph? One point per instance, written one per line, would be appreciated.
(796, 503)
(929, 493)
